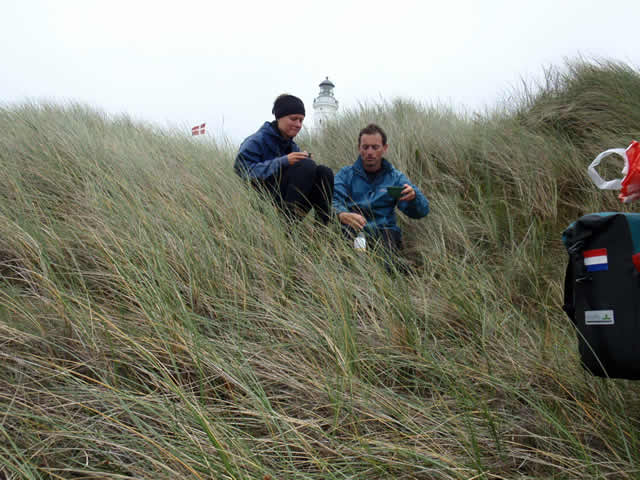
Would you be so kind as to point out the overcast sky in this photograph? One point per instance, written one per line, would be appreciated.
(178, 64)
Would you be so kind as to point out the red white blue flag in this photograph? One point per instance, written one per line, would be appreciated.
(198, 129)
(596, 260)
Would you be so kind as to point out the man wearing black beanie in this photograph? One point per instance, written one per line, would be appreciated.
(273, 162)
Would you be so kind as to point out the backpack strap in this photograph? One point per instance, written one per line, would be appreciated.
(569, 300)
(576, 273)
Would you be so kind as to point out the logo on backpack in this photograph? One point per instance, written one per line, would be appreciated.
(596, 260)
(599, 317)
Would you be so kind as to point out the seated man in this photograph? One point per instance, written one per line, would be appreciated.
(361, 199)
(274, 163)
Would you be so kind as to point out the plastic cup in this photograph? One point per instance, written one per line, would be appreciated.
(395, 192)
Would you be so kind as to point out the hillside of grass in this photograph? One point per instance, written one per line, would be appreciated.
(158, 320)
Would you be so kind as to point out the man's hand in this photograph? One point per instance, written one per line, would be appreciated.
(408, 193)
(353, 220)
(295, 157)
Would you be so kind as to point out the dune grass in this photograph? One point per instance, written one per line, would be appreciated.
(158, 320)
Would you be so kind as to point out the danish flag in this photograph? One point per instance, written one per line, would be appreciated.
(198, 129)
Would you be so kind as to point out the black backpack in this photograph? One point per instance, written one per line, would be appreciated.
(602, 292)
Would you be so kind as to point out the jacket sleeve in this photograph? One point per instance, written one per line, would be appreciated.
(251, 162)
(416, 208)
(341, 191)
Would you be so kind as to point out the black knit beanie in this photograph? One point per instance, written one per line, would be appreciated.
(287, 105)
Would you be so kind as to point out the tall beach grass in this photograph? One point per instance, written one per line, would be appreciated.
(159, 320)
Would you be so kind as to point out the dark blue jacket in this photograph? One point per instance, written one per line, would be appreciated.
(355, 192)
(264, 153)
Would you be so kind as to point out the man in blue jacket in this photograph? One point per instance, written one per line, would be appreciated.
(361, 199)
(273, 162)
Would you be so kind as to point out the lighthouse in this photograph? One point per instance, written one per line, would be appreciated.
(325, 104)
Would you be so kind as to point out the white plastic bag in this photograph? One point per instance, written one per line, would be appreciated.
(598, 180)
(629, 185)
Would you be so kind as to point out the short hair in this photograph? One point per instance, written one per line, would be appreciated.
(372, 129)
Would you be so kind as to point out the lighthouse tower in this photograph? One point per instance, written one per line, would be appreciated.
(325, 105)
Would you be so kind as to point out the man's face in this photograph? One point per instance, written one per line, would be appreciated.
(371, 151)
(290, 125)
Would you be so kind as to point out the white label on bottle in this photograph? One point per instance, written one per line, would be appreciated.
(599, 317)
(360, 243)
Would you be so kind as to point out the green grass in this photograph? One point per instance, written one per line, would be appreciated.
(157, 321)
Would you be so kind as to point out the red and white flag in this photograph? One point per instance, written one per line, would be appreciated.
(198, 129)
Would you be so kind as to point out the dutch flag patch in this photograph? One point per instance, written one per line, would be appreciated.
(596, 260)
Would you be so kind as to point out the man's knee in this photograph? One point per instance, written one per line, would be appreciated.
(391, 239)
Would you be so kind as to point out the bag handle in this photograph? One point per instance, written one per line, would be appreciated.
(608, 184)
(569, 299)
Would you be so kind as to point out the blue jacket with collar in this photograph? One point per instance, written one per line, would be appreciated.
(355, 191)
(264, 153)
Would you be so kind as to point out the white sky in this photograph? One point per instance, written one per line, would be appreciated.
(178, 64)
